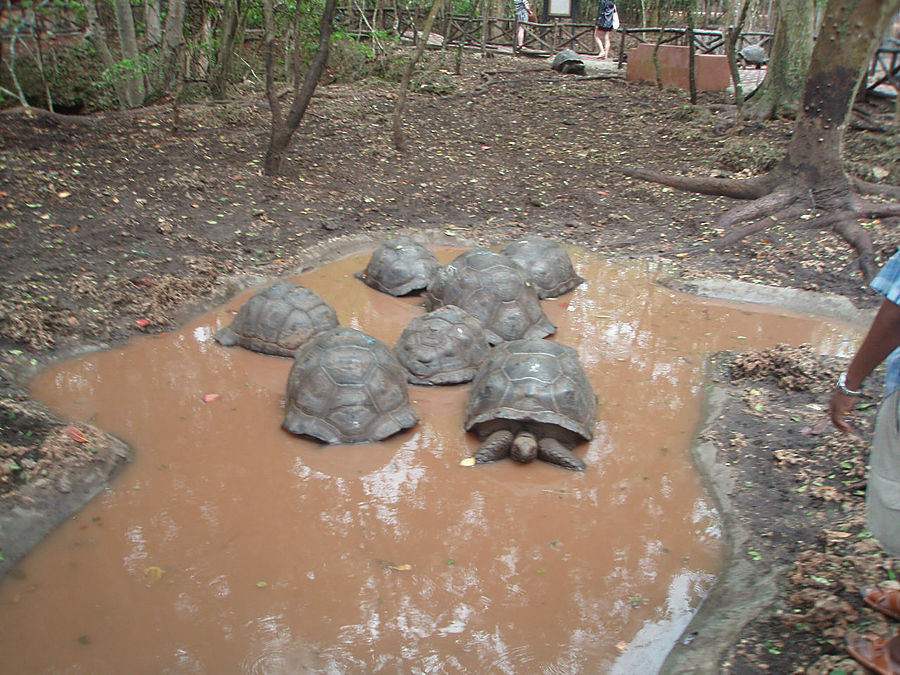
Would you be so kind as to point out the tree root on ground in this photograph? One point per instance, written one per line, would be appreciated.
(780, 197)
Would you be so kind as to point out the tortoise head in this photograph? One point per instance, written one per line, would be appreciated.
(524, 448)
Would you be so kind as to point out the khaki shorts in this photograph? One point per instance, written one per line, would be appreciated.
(883, 492)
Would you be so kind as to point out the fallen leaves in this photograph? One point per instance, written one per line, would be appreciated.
(209, 398)
(75, 435)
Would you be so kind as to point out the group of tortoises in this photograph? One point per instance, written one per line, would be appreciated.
(530, 397)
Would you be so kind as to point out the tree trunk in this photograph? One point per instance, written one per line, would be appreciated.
(97, 36)
(221, 74)
(171, 45)
(692, 50)
(152, 22)
(731, 38)
(132, 73)
(811, 181)
(400, 103)
(283, 128)
(779, 93)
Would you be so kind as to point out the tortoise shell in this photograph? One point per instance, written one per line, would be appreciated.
(347, 387)
(445, 346)
(399, 267)
(546, 263)
(533, 381)
(278, 319)
(493, 289)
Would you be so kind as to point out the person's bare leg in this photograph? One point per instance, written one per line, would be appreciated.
(605, 44)
(598, 41)
(520, 40)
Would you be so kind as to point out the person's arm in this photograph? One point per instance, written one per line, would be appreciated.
(883, 338)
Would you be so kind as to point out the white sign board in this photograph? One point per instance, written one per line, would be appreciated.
(560, 8)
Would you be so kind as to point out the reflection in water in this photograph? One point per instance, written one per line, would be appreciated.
(230, 544)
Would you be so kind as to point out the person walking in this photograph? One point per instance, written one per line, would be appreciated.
(523, 14)
(883, 490)
(606, 19)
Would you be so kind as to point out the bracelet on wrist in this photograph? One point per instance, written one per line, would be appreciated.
(842, 386)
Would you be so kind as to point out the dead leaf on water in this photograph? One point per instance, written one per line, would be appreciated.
(468, 461)
(154, 573)
(401, 568)
(621, 646)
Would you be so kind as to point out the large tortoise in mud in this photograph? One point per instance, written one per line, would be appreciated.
(445, 346)
(399, 267)
(347, 387)
(532, 399)
(493, 289)
(278, 320)
(546, 264)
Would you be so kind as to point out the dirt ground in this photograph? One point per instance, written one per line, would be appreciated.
(114, 224)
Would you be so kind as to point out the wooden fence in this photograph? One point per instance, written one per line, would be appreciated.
(498, 33)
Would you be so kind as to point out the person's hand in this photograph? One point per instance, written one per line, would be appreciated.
(840, 405)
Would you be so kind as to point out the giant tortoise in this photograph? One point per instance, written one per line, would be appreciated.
(493, 289)
(445, 346)
(399, 267)
(347, 387)
(546, 263)
(532, 399)
(278, 319)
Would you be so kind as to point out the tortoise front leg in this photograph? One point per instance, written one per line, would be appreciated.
(551, 450)
(494, 447)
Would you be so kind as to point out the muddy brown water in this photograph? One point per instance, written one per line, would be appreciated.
(231, 546)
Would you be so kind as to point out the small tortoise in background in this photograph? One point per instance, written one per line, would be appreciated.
(568, 61)
(754, 55)
(278, 320)
(347, 387)
(546, 264)
(493, 289)
(445, 346)
(399, 267)
(532, 399)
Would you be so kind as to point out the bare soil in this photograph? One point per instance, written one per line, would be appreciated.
(116, 224)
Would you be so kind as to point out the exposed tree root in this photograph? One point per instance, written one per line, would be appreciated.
(751, 188)
(779, 197)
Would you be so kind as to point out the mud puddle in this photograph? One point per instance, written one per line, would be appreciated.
(230, 545)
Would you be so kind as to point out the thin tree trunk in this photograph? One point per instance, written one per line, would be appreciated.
(171, 44)
(732, 36)
(221, 75)
(283, 128)
(132, 72)
(400, 104)
(153, 22)
(97, 36)
(39, 44)
(779, 93)
(689, 36)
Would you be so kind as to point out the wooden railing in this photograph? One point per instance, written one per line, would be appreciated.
(498, 33)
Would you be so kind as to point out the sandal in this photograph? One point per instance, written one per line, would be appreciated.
(872, 652)
(886, 602)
